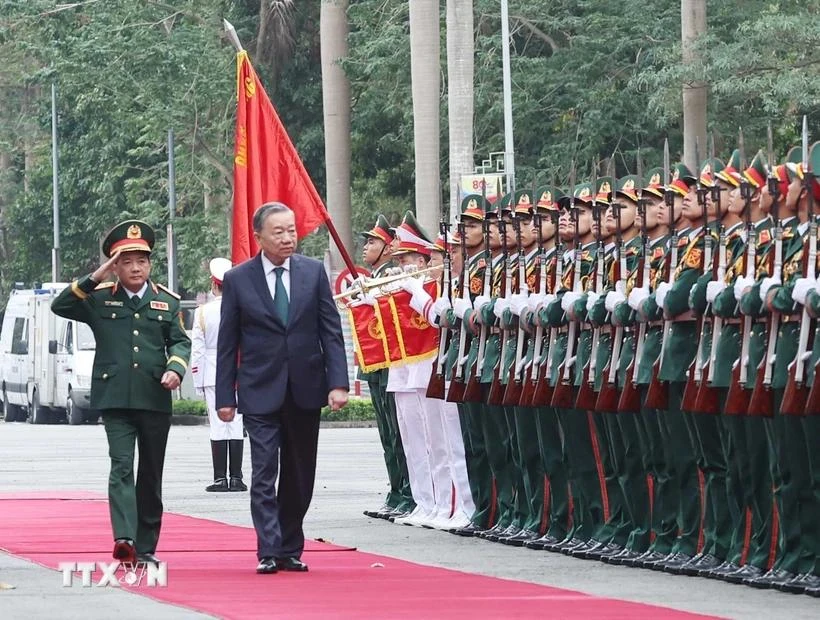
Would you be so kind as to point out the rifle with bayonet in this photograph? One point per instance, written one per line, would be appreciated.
(796, 399)
(455, 393)
(562, 392)
(435, 386)
(737, 399)
(544, 385)
(586, 397)
(496, 394)
(608, 395)
(762, 401)
(512, 392)
(707, 400)
(657, 396)
(530, 379)
(630, 399)
(690, 393)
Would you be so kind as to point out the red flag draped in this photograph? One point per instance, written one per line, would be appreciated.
(266, 166)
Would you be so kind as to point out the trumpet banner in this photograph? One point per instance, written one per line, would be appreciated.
(391, 333)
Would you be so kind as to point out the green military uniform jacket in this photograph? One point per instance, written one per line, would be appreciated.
(135, 344)
(476, 265)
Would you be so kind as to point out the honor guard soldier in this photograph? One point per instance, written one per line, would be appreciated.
(142, 354)
(226, 437)
(377, 253)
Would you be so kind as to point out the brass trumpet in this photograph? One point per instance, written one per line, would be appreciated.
(371, 283)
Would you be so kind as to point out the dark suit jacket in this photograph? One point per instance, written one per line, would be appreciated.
(259, 358)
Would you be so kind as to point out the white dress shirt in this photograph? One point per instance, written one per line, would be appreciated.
(270, 275)
(139, 294)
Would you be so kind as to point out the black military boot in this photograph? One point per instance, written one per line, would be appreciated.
(219, 454)
(236, 465)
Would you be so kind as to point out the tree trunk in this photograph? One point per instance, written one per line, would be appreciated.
(460, 75)
(336, 105)
(424, 73)
(693, 25)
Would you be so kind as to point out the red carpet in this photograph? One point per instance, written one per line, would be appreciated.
(211, 569)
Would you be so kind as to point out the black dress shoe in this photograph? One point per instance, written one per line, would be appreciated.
(619, 559)
(219, 486)
(468, 530)
(772, 579)
(699, 565)
(674, 562)
(591, 546)
(509, 532)
(124, 551)
(237, 486)
(547, 540)
(291, 564)
(795, 586)
(648, 559)
(266, 566)
(493, 531)
(811, 585)
(520, 538)
(566, 545)
(720, 572)
(609, 550)
(744, 573)
(148, 558)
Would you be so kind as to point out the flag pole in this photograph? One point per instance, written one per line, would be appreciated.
(351, 266)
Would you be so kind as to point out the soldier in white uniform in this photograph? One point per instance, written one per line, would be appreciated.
(226, 437)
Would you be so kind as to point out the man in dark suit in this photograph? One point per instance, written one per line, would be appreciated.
(280, 358)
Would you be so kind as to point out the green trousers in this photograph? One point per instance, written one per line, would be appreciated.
(811, 512)
(554, 465)
(136, 509)
(633, 480)
(532, 468)
(681, 457)
(498, 445)
(478, 466)
(399, 496)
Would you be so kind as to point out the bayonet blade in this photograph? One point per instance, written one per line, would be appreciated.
(770, 148)
(572, 186)
(741, 147)
(805, 153)
(666, 168)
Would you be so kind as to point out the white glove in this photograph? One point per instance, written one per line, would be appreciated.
(637, 296)
(535, 300)
(419, 300)
(481, 301)
(801, 289)
(613, 298)
(548, 299)
(713, 289)
(369, 299)
(501, 304)
(765, 285)
(440, 305)
(660, 294)
(460, 306)
(620, 287)
(518, 302)
(741, 284)
(592, 298)
(569, 299)
(411, 285)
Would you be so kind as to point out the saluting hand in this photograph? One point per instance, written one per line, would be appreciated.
(101, 274)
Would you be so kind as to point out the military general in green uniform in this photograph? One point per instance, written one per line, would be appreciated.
(142, 354)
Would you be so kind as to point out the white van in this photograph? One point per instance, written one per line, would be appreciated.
(45, 360)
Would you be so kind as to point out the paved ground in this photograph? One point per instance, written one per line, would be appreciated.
(350, 479)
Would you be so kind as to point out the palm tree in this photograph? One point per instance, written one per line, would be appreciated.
(460, 71)
(424, 72)
(693, 25)
(333, 29)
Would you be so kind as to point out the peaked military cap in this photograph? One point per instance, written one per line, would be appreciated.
(604, 187)
(583, 195)
(381, 230)
(522, 202)
(757, 171)
(628, 186)
(709, 170)
(440, 244)
(731, 171)
(412, 237)
(654, 182)
(129, 236)
(549, 198)
(474, 206)
(218, 267)
(795, 166)
(682, 179)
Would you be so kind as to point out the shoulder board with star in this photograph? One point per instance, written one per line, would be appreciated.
(104, 285)
(169, 291)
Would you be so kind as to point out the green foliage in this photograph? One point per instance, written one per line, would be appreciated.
(356, 409)
(190, 407)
